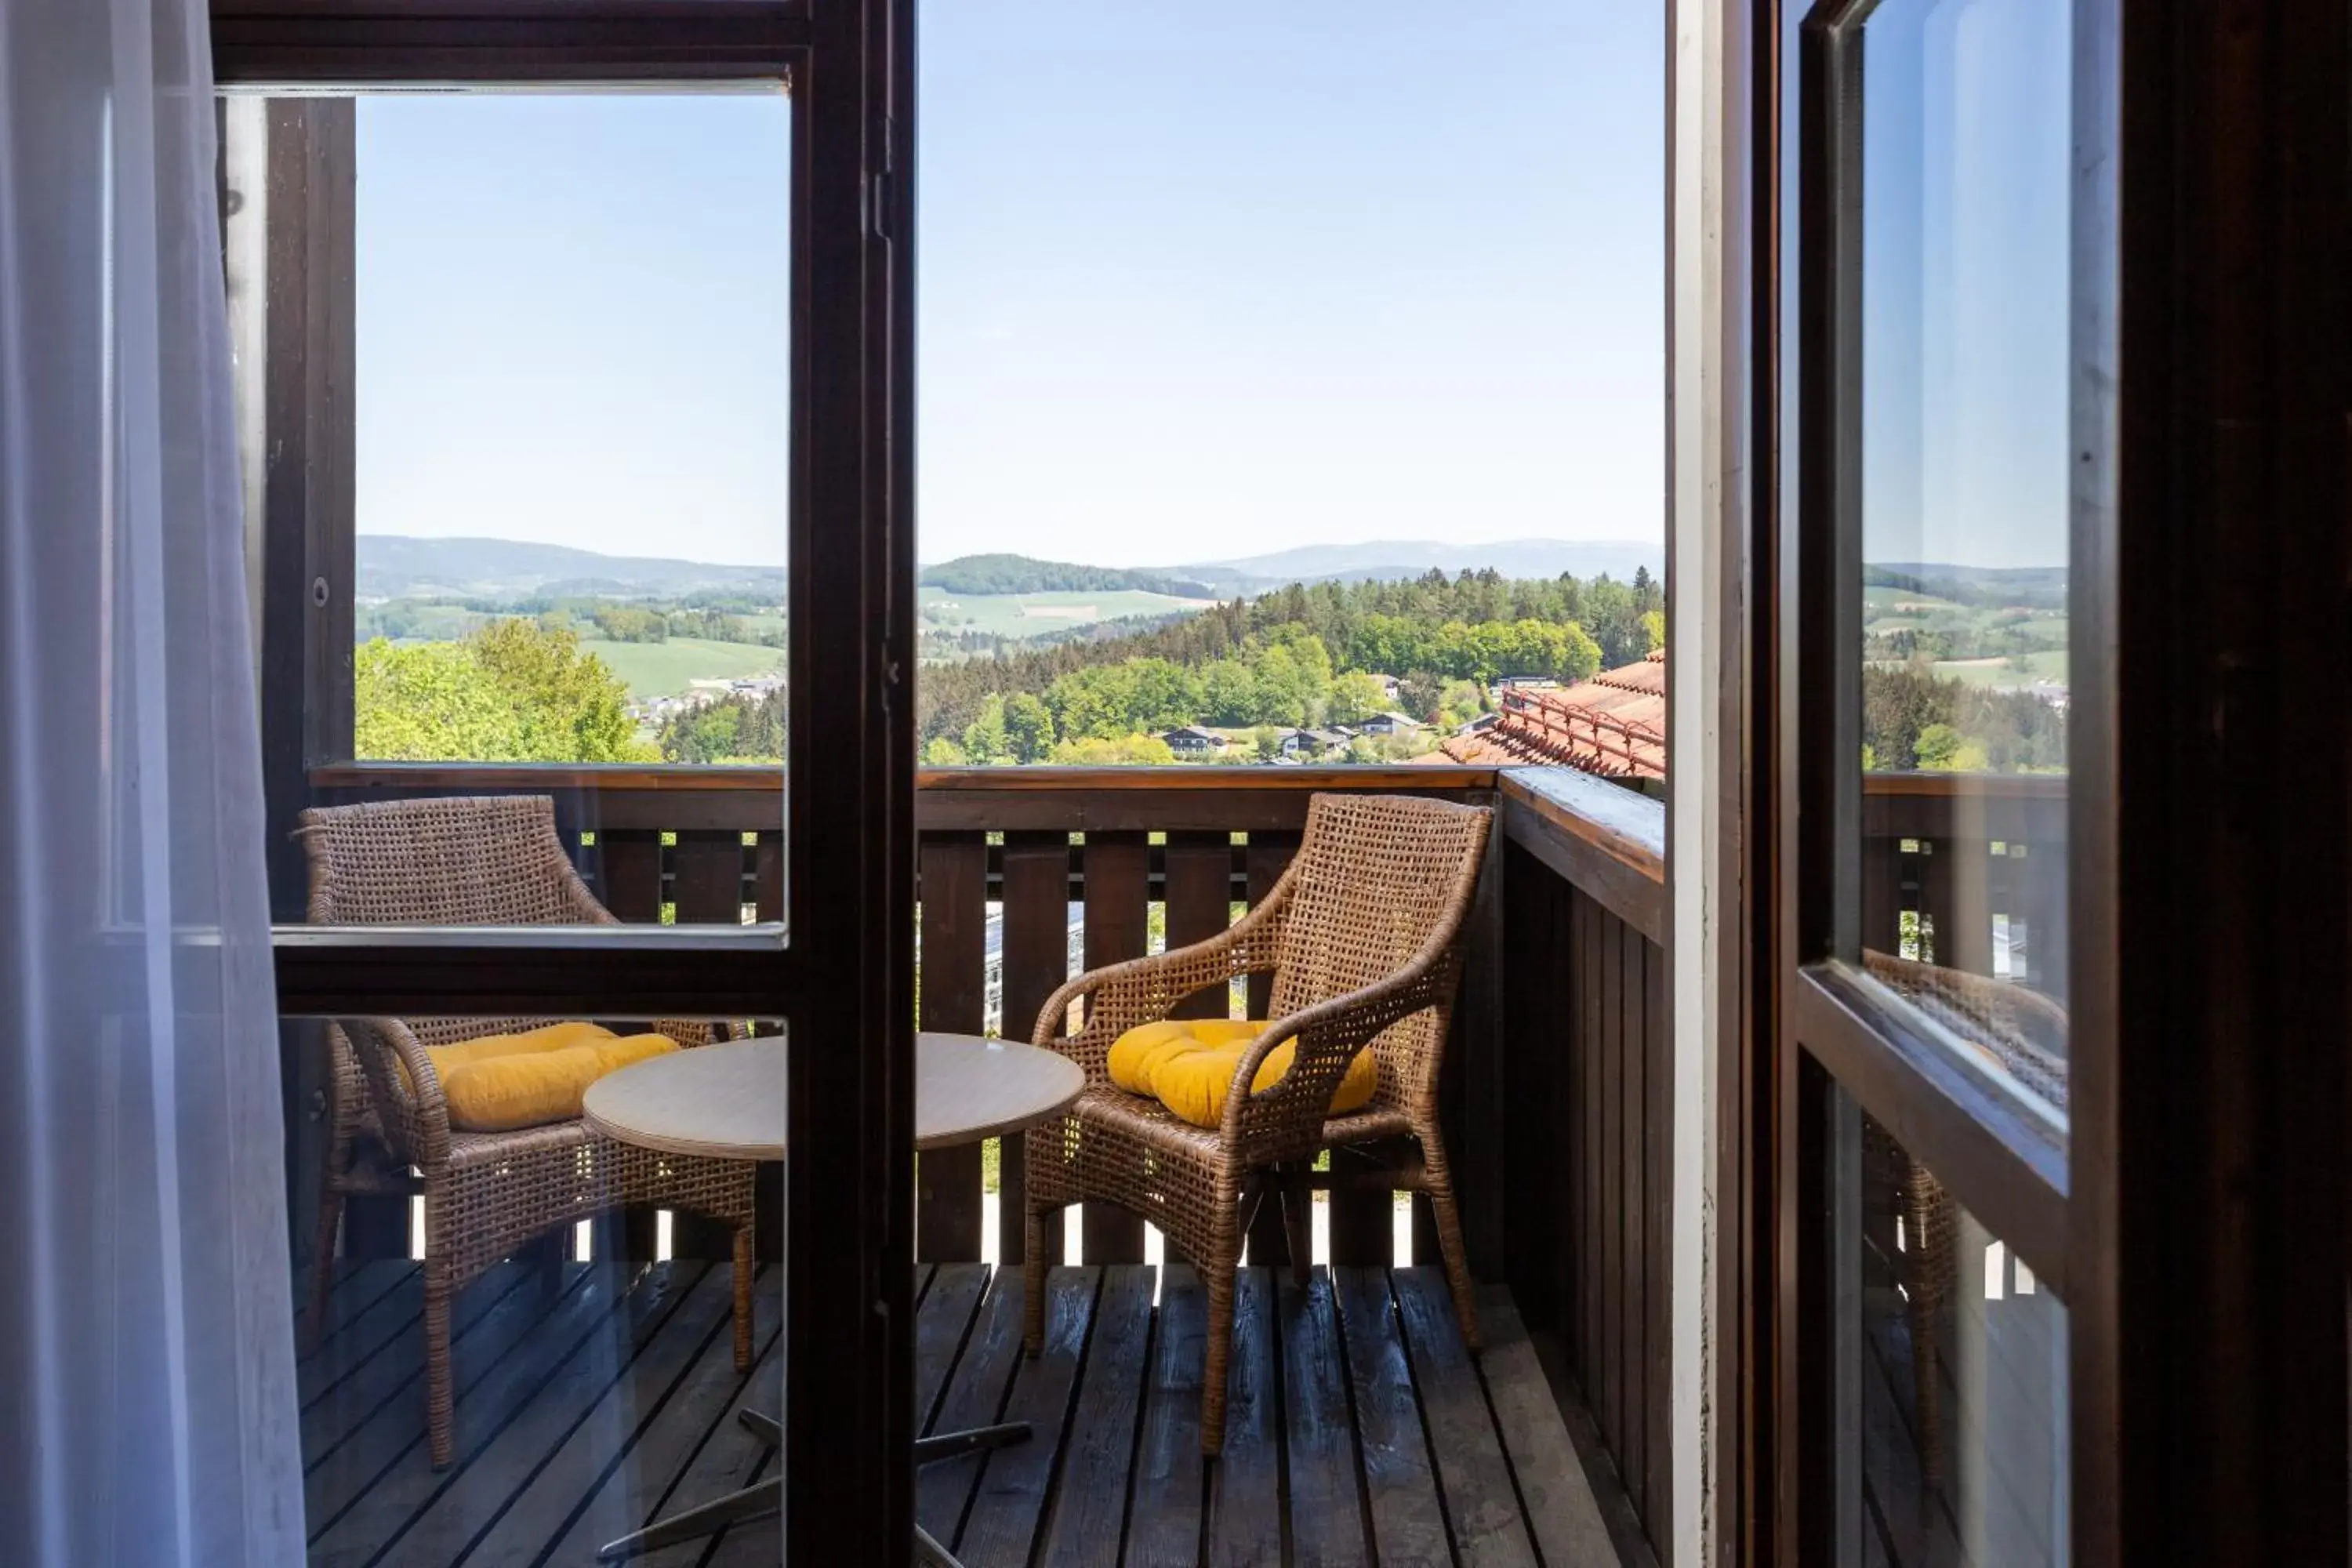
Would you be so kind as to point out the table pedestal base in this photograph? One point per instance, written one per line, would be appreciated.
(768, 1496)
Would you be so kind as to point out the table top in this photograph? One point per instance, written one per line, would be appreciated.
(727, 1101)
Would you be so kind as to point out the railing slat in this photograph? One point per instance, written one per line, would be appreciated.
(1118, 920)
(629, 874)
(954, 916)
(1632, 1273)
(1611, 1055)
(1268, 856)
(1658, 1118)
(1036, 961)
(1199, 872)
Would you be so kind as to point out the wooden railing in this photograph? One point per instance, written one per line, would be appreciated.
(1587, 1112)
(705, 844)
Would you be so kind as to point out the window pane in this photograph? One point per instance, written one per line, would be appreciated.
(514, 388)
(1952, 1371)
(1968, 282)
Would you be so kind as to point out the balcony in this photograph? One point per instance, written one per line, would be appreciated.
(593, 1395)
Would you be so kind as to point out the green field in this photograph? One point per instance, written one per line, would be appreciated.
(1029, 615)
(1882, 601)
(2014, 673)
(669, 669)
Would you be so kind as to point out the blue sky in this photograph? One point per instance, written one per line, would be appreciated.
(1967, 211)
(1196, 282)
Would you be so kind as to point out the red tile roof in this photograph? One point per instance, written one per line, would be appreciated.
(1613, 724)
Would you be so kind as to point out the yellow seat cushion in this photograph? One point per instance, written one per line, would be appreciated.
(1136, 1054)
(1194, 1084)
(547, 1037)
(527, 1088)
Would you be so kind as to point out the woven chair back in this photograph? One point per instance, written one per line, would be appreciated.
(1376, 879)
(460, 861)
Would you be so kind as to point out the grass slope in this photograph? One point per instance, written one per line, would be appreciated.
(1031, 615)
(669, 669)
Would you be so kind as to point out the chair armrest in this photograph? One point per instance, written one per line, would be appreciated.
(1146, 990)
(1286, 1122)
(409, 1103)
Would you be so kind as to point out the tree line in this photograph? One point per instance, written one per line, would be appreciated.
(1912, 719)
(1427, 631)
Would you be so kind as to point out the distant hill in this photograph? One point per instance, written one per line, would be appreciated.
(394, 566)
(2043, 587)
(1026, 574)
(1389, 560)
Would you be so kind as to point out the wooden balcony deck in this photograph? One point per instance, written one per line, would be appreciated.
(591, 1398)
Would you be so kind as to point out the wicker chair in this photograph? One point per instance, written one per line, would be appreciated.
(2019, 1031)
(475, 861)
(1360, 937)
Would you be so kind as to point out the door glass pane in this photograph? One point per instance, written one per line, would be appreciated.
(514, 399)
(1951, 1371)
(518, 1328)
(1970, 472)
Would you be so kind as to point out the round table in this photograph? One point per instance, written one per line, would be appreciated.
(727, 1103)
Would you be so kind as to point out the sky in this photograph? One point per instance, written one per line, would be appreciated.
(1966, 369)
(1195, 283)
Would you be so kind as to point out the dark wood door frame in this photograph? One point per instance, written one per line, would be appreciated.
(851, 896)
(2206, 1191)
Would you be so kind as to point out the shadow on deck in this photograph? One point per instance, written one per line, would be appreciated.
(592, 1399)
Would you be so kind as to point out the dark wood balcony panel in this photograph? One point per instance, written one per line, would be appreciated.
(1586, 1135)
(596, 1401)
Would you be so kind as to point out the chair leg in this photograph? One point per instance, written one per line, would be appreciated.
(743, 1294)
(1437, 1179)
(1298, 1222)
(1220, 1350)
(322, 1261)
(1032, 1280)
(438, 1424)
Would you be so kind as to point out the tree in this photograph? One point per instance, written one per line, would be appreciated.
(513, 691)
(1228, 692)
(708, 734)
(1355, 697)
(1126, 751)
(1268, 741)
(1421, 694)
(1653, 629)
(943, 753)
(1945, 750)
(985, 742)
(1028, 727)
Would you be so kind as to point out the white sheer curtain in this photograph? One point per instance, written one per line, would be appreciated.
(147, 1408)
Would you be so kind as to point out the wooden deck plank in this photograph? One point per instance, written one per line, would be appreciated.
(1244, 1485)
(366, 1492)
(607, 1433)
(366, 1421)
(1400, 1484)
(1562, 1513)
(975, 1397)
(730, 1459)
(943, 1324)
(494, 1460)
(396, 1370)
(1327, 1514)
(1014, 1482)
(358, 1286)
(637, 1492)
(1088, 1518)
(381, 1323)
(1481, 1506)
(1357, 1429)
(1164, 1527)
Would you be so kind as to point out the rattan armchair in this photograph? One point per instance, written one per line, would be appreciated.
(474, 861)
(2024, 1034)
(1359, 935)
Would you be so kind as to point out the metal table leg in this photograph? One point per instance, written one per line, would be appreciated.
(768, 1496)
